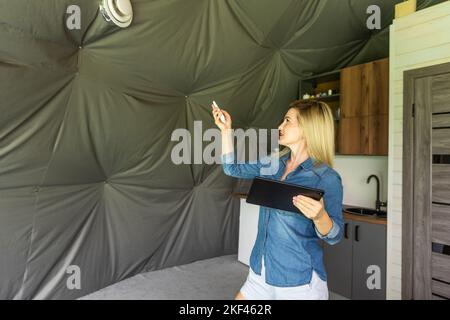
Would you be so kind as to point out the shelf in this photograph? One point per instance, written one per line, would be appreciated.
(324, 77)
(321, 83)
(325, 98)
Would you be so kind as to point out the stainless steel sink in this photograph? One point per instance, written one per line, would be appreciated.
(366, 212)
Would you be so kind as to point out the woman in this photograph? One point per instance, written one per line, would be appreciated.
(286, 261)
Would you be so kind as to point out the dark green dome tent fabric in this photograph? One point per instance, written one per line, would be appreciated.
(86, 116)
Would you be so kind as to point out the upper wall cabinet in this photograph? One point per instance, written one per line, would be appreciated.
(364, 103)
(359, 99)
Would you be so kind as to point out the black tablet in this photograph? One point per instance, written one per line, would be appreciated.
(278, 194)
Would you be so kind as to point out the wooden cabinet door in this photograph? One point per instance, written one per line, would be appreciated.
(351, 91)
(378, 127)
(363, 127)
(377, 84)
(353, 136)
(377, 106)
(349, 136)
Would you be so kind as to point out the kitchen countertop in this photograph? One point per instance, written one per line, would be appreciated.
(368, 219)
(349, 216)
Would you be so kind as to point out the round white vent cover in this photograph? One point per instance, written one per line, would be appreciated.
(119, 12)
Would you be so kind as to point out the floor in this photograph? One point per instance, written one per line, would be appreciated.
(187, 282)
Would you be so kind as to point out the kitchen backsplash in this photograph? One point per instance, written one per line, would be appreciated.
(354, 171)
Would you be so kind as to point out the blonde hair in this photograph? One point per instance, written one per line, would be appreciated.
(316, 120)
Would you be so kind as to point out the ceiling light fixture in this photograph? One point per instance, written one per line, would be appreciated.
(119, 12)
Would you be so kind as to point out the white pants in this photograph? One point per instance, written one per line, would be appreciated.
(256, 288)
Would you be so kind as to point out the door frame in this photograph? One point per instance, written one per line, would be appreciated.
(409, 78)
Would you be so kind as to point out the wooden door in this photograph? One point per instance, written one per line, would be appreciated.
(426, 185)
(440, 208)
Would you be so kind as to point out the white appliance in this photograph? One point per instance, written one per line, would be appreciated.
(248, 227)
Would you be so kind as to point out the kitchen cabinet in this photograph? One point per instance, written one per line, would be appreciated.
(356, 260)
(368, 256)
(353, 135)
(360, 105)
(338, 263)
(364, 109)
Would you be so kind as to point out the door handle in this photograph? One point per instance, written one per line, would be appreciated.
(356, 233)
(346, 230)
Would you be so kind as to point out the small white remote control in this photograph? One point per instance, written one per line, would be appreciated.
(222, 117)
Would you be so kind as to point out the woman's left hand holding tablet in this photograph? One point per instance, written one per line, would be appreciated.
(311, 208)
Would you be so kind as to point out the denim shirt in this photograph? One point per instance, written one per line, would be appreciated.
(289, 241)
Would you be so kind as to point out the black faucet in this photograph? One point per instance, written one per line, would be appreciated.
(378, 203)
